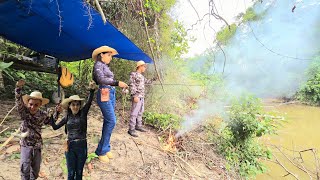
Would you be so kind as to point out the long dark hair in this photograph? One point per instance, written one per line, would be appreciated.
(99, 58)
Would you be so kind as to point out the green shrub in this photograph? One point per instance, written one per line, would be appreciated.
(238, 139)
(226, 34)
(162, 121)
(310, 91)
(250, 15)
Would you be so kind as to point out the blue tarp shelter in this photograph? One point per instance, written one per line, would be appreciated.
(66, 29)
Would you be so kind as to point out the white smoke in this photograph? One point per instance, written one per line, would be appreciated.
(254, 68)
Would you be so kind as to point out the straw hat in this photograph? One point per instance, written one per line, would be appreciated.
(65, 102)
(101, 49)
(35, 95)
(140, 63)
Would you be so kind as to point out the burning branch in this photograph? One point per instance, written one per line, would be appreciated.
(170, 146)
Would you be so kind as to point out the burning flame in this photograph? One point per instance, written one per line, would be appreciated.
(170, 146)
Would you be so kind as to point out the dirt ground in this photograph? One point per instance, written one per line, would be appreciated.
(135, 158)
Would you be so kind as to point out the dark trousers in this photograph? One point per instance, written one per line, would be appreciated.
(76, 158)
(30, 160)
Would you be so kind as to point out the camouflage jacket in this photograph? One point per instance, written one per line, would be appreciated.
(102, 74)
(31, 123)
(136, 83)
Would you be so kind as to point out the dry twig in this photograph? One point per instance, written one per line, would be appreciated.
(141, 153)
(4, 130)
(111, 171)
(288, 172)
(198, 174)
(9, 139)
(8, 114)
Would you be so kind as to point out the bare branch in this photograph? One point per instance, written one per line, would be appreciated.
(194, 9)
(289, 173)
(60, 17)
(101, 11)
(150, 46)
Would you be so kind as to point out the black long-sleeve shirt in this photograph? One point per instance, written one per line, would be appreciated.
(76, 125)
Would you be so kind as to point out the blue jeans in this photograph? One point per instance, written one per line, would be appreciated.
(76, 158)
(109, 120)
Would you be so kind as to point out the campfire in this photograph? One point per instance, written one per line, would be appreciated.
(172, 143)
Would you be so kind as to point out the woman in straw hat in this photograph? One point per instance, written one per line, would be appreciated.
(104, 77)
(75, 123)
(32, 120)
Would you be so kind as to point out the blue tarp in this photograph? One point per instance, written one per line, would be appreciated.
(70, 35)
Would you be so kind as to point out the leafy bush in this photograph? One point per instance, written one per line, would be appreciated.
(310, 92)
(42, 82)
(250, 15)
(226, 34)
(91, 156)
(162, 121)
(238, 141)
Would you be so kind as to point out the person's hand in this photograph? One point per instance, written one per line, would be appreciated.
(50, 112)
(125, 91)
(136, 99)
(58, 108)
(20, 83)
(122, 84)
(92, 85)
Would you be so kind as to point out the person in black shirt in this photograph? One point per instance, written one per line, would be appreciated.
(75, 122)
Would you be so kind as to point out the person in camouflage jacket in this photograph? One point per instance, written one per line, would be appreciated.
(32, 120)
(137, 89)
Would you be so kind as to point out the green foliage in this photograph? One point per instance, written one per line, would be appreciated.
(82, 71)
(42, 82)
(250, 15)
(153, 5)
(238, 139)
(63, 165)
(179, 40)
(90, 157)
(310, 92)
(162, 121)
(4, 65)
(226, 34)
(15, 156)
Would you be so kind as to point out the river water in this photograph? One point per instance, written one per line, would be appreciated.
(300, 131)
